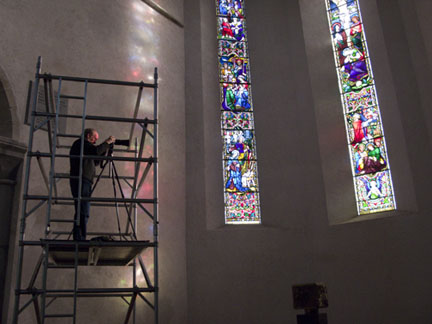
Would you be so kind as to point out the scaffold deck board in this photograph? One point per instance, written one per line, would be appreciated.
(95, 253)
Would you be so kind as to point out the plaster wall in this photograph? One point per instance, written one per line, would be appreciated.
(119, 40)
(376, 269)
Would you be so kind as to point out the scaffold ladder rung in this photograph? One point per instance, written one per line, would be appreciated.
(58, 266)
(72, 97)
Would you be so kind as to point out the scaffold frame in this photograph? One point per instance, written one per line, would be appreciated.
(60, 253)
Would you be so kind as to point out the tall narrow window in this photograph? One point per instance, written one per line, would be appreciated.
(237, 122)
(365, 134)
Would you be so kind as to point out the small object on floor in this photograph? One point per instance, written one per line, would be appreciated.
(310, 297)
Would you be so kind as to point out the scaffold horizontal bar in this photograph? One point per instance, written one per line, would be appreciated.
(96, 199)
(95, 233)
(89, 295)
(94, 157)
(60, 266)
(67, 176)
(88, 243)
(114, 150)
(84, 291)
(72, 97)
(93, 117)
(70, 203)
(91, 80)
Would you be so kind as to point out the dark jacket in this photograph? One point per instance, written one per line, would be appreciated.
(88, 171)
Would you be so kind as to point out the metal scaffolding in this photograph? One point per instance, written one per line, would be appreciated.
(57, 249)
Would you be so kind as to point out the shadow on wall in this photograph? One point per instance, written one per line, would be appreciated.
(5, 113)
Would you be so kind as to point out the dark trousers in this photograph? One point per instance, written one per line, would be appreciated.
(80, 231)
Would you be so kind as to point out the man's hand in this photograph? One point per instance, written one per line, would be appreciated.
(110, 140)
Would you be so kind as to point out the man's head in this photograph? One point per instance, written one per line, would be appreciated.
(91, 135)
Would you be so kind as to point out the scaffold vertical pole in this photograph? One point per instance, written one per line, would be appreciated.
(52, 169)
(155, 197)
(134, 221)
(44, 280)
(25, 192)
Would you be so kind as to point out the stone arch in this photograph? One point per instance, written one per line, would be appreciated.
(11, 162)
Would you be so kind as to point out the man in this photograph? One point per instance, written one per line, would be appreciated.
(88, 172)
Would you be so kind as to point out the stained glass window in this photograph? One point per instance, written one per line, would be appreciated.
(237, 121)
(365, 133)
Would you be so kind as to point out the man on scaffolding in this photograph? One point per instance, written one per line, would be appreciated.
(88, 172)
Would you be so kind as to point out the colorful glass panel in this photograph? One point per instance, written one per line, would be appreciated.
(364, 98)
(237, 120)
(240, 170)
(236, 97)
(239, 144)
(374, 192)
(241, 208)
(230, 48)
(234, 69)
(240, 175)
(363, 124)
(232, 28)
(365, 133)
(230, 8)
(369, 157)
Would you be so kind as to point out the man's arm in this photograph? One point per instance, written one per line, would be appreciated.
(102, 148)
